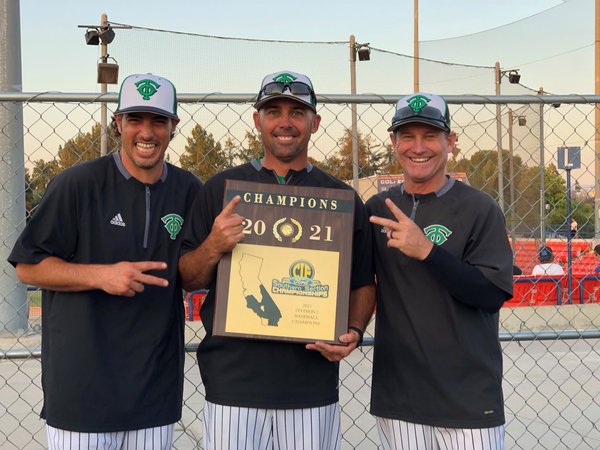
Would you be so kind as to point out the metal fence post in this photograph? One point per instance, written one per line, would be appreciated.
(13, 296)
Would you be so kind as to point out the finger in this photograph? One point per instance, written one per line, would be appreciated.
(398, 214)
(387, 223)
(350, 337)
(230, 207)
(144, 266)
(331, 352)
(137, 286)
(154, 281)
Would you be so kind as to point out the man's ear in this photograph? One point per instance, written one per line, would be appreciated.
(315, 123)
(256, 117)
(118, 119)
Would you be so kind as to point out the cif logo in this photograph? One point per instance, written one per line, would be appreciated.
(302, 269)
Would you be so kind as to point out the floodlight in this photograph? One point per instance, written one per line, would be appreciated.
(108, 73)
(514, 77)
(92, 37)
(107, 35)
(364, 53)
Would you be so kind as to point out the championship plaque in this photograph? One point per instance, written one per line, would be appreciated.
(289, 279)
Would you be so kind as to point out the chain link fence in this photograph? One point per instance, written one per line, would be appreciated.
(506, 147)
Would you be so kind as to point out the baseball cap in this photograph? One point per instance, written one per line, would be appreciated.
(545, 254)
(147, 93)
(287, 84)
(422, 108)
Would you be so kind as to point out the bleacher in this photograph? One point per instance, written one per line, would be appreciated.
(582, 254)
(553, 290)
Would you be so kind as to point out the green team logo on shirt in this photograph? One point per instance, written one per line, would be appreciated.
(418, 102)
(173, 224)
(147, 88)
(438, 234)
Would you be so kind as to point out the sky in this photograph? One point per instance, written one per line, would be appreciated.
(529, 35)
(55, 57)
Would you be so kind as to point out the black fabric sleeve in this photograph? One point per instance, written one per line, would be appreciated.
(465, 283)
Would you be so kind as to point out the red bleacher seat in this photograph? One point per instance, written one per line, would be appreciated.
(589, 288)
(535, 291)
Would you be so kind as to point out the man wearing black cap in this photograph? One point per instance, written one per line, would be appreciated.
(104, 245)
(547, 266)
(444, 268)
(260, 394)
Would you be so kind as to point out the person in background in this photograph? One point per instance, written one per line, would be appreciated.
(546, 265)
(597, 255)
(573, 228)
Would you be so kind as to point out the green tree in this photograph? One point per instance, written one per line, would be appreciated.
(481, 169)
(85, 146)
(340, 164)
(36, 182)
(388, 163)
(556, 199)
(203, 156)
(251, 148)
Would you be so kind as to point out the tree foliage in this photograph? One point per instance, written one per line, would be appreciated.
(203, 156)
(85, 146)
(341, 163)
(36, 182)
(242, 152)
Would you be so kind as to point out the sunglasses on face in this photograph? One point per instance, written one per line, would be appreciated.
(295, 88)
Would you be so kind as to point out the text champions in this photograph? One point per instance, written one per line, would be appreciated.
(292, 201)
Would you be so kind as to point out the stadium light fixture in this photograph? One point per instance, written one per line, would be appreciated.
(92, 37)
(364, 54)
(108, 73)
(514, 77)
(363, 51)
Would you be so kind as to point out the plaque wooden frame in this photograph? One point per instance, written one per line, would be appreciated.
(289, 279)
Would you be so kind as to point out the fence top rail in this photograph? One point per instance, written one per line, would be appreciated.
(216, 97)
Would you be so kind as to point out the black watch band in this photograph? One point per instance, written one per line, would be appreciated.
(360, 334)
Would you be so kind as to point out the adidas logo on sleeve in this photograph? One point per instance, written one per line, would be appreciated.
(117, 220)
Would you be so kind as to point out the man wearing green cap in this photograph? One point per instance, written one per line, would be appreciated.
(444, 268)
(261, 394)
(103, 245)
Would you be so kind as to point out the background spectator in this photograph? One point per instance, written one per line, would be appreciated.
(547, 266)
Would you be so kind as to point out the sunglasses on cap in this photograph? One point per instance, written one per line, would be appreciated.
(295, 88)
(428, 113)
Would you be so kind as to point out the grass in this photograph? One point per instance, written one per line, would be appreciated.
(35, 297)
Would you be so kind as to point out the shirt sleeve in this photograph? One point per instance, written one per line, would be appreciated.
(465, 283)
(53, 227)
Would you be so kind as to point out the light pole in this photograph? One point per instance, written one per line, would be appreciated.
(108, 73)
(542, 175)
(14, 311)
(416, 46)
(522, 121)
(364, 54)
(513, 78)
